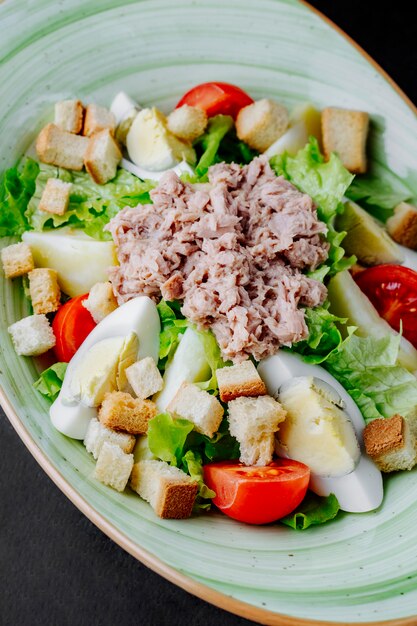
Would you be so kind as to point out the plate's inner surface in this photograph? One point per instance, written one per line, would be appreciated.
(360, 567)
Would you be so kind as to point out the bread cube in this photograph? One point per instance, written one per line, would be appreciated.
(144, 378)
(69, 116)
(120, 411)
(44, 290)
(198, 406)
(113, 466)
(102, 157)
(60, 148)
(97, 435)
(187, 123)
(390, 444)
(170, 492)
(261, 123)
(345, 132)
(55, 197)
(254, 421)
(32, 335)
(101, 301)
(17, 260)
(98, 118)
(402, 226)
(239, 380)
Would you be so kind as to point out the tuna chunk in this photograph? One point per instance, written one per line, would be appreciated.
(234, 251)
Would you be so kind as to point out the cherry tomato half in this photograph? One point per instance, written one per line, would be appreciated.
(257, 495)
(392, 289)
(216, 98)
(71, 326)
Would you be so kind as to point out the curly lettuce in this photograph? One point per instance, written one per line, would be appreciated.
(16, 189)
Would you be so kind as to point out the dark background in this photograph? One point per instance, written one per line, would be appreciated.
(56, 568)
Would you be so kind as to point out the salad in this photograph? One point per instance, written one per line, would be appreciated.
(229, 297)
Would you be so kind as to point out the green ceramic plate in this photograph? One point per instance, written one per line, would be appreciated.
(361, 568)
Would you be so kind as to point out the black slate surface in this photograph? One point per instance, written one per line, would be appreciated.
(56, 568)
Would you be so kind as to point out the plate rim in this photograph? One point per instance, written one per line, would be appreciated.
(157, 565)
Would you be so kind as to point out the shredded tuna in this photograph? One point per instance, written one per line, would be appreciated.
(233, 250)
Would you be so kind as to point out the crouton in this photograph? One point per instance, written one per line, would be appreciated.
(144, 378)
(101, 301)
(261, 123)
(120, 411)
(98, 118)
(102, 157)
(113, 466)
(17, 260)
(97, 435)
(55, 196)
(69, 116)
(239, 380)
(254, 421)
(345, 132)
(199, 407)
(402, 226)
(60, 148)
(390, 444)
(170, 492)
(44, 290)
(32, 335)
(187, 123)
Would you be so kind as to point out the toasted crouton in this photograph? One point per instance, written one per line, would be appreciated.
(69, 115)
(55, 196)
(98, 118)
(97, 435)
(198, 406)
(44, 290)
(17, 260)
(113, 466)
(390, 444)
(170, 492)
(261, 123)
(402, 226)
(101, 301)
(120, 411)
(144, 378)
(254, 421)
(102, 157)
(60, 148)
(187, 122)
(345, 132)
(239, 380)
(32, 335)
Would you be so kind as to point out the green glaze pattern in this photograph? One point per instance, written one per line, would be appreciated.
(360, 567)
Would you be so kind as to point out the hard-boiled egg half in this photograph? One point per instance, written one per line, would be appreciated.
(131, 332)
(323, 429)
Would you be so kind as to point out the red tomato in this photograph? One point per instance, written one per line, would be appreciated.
(392, 289)
(257, 495)
(71, 326)
(215, 98)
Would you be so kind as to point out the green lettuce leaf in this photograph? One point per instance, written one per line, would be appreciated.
(367, 369)
(16, 189)
(167, 437)
(50, 381)
(173, 324)
(193, 465)
(217, 128)
(325, 182)
(324, 334)
(91, 205)
(377, 195)
(312, 511)
(214, 359)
